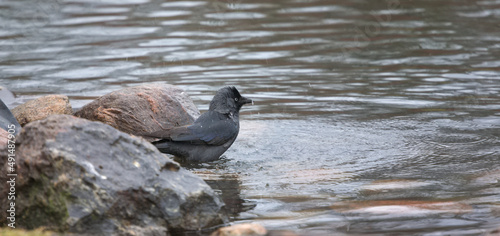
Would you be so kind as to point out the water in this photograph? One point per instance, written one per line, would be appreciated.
(370, 117)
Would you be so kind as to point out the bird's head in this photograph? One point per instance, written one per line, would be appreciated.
(228, 99)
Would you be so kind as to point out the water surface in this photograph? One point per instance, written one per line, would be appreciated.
(371, 117)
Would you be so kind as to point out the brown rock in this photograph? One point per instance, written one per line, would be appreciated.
(41, 108)
(142, 109)
(241, 230)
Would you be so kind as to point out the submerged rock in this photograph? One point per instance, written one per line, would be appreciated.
(75, 175)
(142, 109)
(251, 229)
(41, 108)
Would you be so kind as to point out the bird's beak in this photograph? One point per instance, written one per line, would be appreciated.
(245, 100)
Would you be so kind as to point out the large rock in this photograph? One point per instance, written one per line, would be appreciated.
(142, 109)
(75, 175)
(41, 108)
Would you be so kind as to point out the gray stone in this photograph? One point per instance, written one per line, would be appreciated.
(79, 176)
(142, 109)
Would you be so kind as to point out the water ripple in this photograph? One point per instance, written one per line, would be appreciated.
(361, 104)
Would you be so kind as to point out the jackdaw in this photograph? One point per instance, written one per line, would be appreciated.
(210, 135)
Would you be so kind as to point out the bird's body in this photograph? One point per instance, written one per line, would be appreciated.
(210, 135)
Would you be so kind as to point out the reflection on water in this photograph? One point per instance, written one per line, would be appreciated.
(370, 117)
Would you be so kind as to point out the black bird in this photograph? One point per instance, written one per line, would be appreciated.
(210, 135)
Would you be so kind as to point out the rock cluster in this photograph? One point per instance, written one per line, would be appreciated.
(81, 176)
(87, 174)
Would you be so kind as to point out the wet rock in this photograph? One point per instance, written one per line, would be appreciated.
(142, 109)
(75, 175)
(41, 108)
(241, 230)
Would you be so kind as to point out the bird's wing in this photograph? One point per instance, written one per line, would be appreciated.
(212, 129)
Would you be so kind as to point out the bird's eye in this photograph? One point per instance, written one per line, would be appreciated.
(236, 99)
